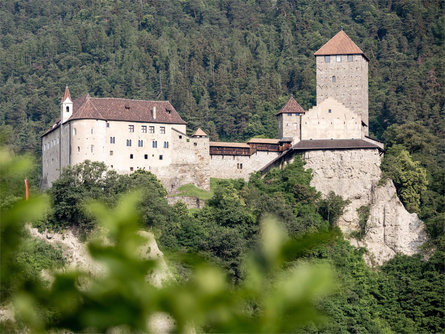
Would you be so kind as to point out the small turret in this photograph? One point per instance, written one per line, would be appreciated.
(199, 133)
(66, 106)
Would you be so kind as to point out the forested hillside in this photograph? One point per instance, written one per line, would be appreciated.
(226, 66)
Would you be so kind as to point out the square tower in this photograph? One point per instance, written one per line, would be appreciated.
(342, 73)
(289, 120)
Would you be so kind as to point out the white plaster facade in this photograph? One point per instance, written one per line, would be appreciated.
(331, 120)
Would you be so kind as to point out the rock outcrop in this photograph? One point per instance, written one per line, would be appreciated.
(355, 175)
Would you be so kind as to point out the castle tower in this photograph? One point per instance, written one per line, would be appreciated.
(289, 120)
(342, 73)
(66, 106)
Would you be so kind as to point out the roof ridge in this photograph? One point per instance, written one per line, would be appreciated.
(123, 98)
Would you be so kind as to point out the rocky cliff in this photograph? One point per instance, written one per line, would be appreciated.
(355, 175)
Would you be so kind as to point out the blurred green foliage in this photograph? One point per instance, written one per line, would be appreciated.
(281, 273)
(273, 297)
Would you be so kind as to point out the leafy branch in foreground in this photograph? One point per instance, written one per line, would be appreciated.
(277, 295)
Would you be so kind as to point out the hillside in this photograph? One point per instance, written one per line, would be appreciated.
(226, 66)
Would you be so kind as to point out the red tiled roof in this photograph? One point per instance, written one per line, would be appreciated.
(66, 95)
(291, 106)
(115, 109)
(340, 44)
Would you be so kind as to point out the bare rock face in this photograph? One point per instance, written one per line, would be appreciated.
(390, 228)
(355, 175)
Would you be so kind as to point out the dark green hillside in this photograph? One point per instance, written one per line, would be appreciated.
(225, 65)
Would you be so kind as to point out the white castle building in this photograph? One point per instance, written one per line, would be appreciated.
(134, 134)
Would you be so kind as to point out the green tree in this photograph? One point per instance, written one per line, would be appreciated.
(408, 176)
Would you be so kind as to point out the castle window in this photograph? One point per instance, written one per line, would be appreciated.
(334, 79)
(111, 166)
(151, 129)
(289, 114)
(92, 148)
(128, 142)
(329, 110)
(92, 131)
(145, 156)
(180, 137)
(112, 140)
(338, 58)
(131, 128)
(239, 166)
(327, 59)
(196, 144)
(131, 156)
(161, 157)
(154, 144)
(350, 57)
(74, 131)
(131, 169)
(78, 148)
(162, 130)
(140, 143)
(144, 129)
(108, 125)
(166, 144)
(67, 109)
(111, 152)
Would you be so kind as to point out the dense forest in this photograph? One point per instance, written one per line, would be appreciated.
(226, 66)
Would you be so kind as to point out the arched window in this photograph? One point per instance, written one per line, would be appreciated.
(67, 109)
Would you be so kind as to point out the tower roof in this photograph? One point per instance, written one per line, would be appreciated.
(199, 133)
(66, 95)
(340, 44)
(292, 106)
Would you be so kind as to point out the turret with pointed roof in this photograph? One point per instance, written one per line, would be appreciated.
(342, 73)
(66, 106)
(199, 133)
(289, 120)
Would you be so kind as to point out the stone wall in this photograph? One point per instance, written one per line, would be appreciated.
(239, 166)
(350, 85)
(289, 125)
(355, 175)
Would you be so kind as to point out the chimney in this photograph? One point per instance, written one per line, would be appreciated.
(154, 112)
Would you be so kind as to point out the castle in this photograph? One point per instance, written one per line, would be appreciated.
(134, 134)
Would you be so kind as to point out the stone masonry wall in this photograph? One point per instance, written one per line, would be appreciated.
(350, 85)
(239, 166)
